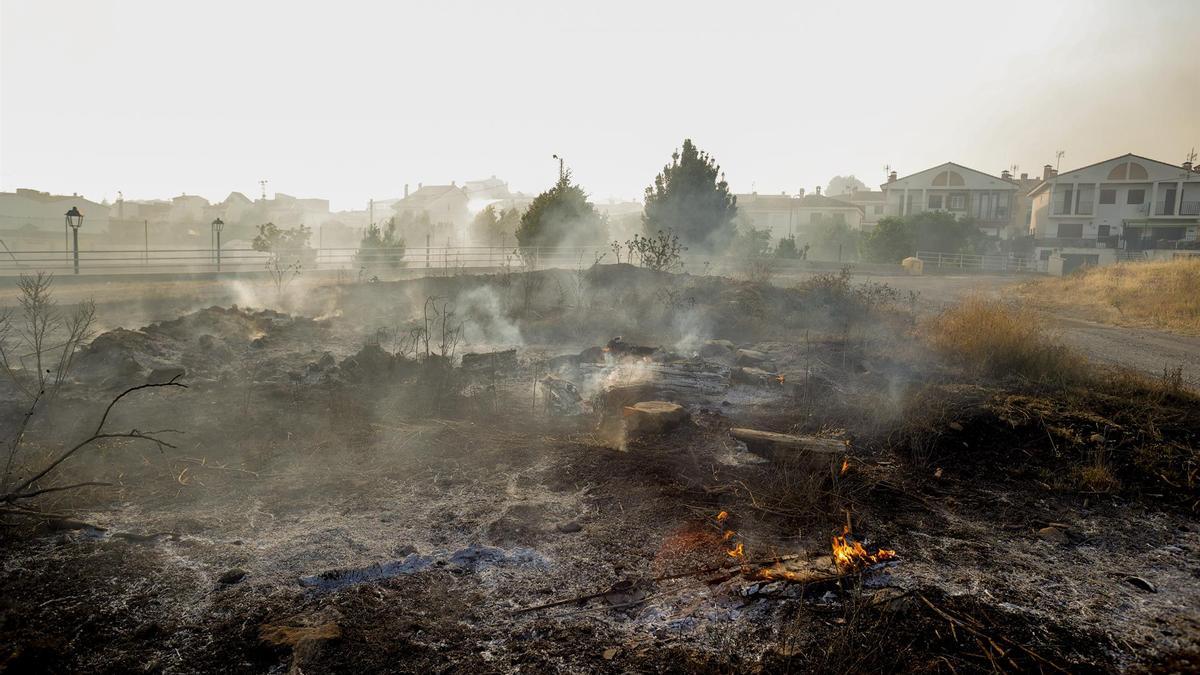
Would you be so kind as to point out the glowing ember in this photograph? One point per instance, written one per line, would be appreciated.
(849, 554)
(738, 551)
(845, 466)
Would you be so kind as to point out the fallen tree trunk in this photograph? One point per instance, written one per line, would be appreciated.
(782, 446)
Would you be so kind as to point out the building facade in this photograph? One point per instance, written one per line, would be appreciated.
(956, 189)
(800, 215)
(1120, 207)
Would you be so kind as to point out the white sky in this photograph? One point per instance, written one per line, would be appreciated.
(351, 100)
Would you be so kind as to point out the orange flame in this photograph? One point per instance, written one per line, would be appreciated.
(850, 554)
(738, 551)
(780, 377)
(722, 516)
(845, 466)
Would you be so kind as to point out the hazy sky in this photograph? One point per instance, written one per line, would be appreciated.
(351, 100)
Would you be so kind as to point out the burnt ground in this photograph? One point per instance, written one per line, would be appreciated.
(335, 507)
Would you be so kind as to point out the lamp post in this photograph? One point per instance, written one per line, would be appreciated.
(217, 226)
(74, 220)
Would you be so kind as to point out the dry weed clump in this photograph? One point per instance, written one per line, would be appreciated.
(1165, 294)
(1002, 339)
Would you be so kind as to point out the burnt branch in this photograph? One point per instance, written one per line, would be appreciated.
(19, 492)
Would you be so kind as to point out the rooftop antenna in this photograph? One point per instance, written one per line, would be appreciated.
(1058, 159)
(1013, 169)
(263, 184)
(1191, 156)
(887, 170)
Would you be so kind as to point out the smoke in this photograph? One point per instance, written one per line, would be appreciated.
(486, 321)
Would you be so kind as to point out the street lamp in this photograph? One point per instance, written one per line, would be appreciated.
(73, 221)
(217, 226)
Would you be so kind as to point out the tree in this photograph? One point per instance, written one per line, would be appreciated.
(492, 227)
(691, 198)
(380, 248)
(287, 249)
(834, 241)
(896, 238)
(844, 185)
(561, 215)
(786, 248)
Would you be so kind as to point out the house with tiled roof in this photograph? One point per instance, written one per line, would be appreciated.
(959, 190)
(1120, 207)
(443, 207)
(801, 215)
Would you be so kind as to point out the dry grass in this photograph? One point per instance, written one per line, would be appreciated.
(1001, 339)
(1160, 294)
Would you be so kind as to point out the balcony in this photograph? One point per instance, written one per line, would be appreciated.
(1189, 209)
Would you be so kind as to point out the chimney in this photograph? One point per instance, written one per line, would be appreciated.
(452, 184)
(1006, 174)
(818, 190)
(406, 190)
(892, 177)
(418, 186)
(1048, 172)
(1024, 176)
(800, 193)
(1187, 166)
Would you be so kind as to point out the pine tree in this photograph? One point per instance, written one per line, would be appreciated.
(691, 198)
(562, 216)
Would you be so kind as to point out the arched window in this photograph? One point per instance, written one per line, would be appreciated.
(948, 178)
(1128, 171)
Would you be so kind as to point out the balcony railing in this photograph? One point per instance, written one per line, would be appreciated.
(1189, 209)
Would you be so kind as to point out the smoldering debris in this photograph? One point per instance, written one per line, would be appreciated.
(388, 504)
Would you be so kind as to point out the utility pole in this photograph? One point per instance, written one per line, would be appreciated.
(1058, 159)
(561, 169)
(263, 185)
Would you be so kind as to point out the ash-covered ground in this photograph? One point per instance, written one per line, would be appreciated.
(451, 474)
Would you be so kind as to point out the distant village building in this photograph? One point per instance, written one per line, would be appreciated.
(32, 209)
(872, 203)
(784, 215)
(1121, 207)
(437, 212)
(34, 219)
(956, 189)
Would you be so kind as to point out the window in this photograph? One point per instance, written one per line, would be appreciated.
(1070, 230)
(1102, 231)
(935, 201)
(1108, 196)
(948, 178)
(1064, 195)
(1135, 197)
(1083, 199)
(958, 202)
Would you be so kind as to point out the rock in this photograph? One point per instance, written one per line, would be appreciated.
(569, 527)
(1140, 583)
(1054, 534)
(750, 357)
(159, 375)
(653, 417)
(207, 341)
(712, 348)
(232, 576)
(610, 653)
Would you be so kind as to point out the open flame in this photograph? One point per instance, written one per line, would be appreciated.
(849, 554)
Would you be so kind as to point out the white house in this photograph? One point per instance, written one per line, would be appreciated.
(801, 215)
(950, 187)
(1124, 205)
